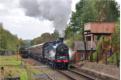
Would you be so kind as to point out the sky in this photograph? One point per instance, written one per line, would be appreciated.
(14, 19)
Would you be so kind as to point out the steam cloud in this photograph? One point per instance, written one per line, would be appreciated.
(57, 11)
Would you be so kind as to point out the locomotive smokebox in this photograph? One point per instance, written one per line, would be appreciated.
(61, 39)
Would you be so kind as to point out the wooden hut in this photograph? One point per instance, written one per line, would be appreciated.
(94, 30)
(80, 52)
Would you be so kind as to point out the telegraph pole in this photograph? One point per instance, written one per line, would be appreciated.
(85, 48)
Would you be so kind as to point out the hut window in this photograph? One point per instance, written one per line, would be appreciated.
(88, 38)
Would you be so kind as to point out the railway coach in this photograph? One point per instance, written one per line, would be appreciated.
(54, 53)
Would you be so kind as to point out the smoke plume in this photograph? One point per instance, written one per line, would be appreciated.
(57, 11)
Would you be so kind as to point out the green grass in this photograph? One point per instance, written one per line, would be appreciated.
(9, 60)
(15, 71)
(11, 66)
(23, 75)
(113, 58)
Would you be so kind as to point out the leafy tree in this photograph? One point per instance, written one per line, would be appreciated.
(45, 37)
(93, 11)
(115, 42)
(8, 41)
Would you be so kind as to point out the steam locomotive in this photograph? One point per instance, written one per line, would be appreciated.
(54, 53)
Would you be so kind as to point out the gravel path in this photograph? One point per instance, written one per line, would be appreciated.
(110, 70)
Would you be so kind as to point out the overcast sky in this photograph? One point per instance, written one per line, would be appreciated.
(17, 22)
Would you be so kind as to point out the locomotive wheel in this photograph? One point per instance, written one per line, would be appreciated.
(65, 66)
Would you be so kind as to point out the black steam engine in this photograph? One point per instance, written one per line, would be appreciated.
(54, 53)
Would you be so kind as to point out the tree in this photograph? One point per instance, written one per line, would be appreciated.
(8, 41)
(115, 42)
(107, 10)
(45, 37)
(93, 11)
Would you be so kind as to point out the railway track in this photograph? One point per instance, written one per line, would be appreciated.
(86, 76)
(47, 72)
(49, 77)
(70, 74)
(43, 76)
(74, 75)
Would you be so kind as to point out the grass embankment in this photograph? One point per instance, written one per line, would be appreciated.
(10, 60)
(12, 67)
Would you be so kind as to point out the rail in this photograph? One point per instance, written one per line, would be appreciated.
(73, 75)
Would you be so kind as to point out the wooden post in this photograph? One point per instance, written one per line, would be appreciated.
(106, 58)
(2, 72)
(91, 56)
(85, 47)
(84, 40)
(117, 60)
(97, 58)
